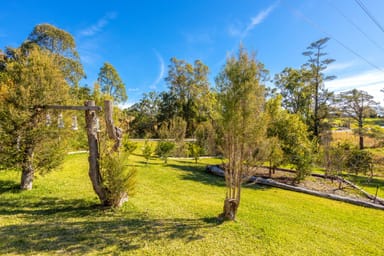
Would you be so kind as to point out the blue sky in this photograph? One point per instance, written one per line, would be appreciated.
(139, 37)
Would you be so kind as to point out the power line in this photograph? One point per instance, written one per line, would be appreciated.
(355, 26)
(318, 27)
(365, 9)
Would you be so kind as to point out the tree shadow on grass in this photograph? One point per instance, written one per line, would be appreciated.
(47, 208)
(58, 226)
(143, 163)
(101, 236)
(196, 172)
(9, 186)
(365, 181)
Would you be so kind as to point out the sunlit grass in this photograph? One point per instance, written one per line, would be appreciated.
(174, 213)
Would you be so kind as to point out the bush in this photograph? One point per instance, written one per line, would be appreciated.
(129, 147)
(195, 151)
(360, 161)
(335, 157)
(119, 180)
(206, 138)
(147, 151)
(164, 149)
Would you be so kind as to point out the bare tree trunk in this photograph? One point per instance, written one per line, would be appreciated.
(94, 156)
(114, 133)
(361, 134)
(28, 171)
(230, 209)
(232, 199)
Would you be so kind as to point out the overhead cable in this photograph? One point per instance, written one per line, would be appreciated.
(365, 9)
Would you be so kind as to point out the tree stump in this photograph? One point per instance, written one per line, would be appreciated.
(229, 210)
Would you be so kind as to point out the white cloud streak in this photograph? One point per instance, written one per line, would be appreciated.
(235, 30)
(162, 70)
(370, 81)
(340, 66)
(259, 18)
(99, 25)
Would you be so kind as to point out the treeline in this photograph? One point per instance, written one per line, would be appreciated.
(239, 117)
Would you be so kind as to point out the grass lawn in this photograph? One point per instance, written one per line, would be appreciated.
(174, 213)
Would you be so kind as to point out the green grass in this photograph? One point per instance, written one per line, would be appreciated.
(174, 213)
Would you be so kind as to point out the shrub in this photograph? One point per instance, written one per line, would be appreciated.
(206, 138)
(119, 180)
(147, 151)
(129, 147)
(195, 151)
(360, 161)
(164, 149)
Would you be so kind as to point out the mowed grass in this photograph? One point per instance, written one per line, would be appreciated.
(174, 212)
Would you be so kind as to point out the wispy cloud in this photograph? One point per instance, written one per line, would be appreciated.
(99, 25)
(234, 30)
(340, 66)
(241, 32)
(161, 68)
(89, 51)
(370, 81)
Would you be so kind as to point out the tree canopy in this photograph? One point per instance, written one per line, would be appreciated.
(111, 83)
(29, 81)
(62, 44)
(241, 97)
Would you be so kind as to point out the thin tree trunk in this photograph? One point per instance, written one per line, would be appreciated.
(230, 209)
(28, 171)
(361, 141)
(94, 156)
(361, 135)
(114, 133)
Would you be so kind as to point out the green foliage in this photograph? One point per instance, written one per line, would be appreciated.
(303, 89)
(147, 151)
(302, 159)
(129, 147)
(357, 104)
(145, 114)
(292, 137)
(164, 149)
(360, 161)
(31, 80)
(175, 130)
(111, 83)
(274, 153)
(189, 95)
(62, 45)
(241, 98)
(335, 157)
(205, 135)
(295, 91)
(119, 180)
(49, 155)
(316, 64)
(195, 151)
(77, 140)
